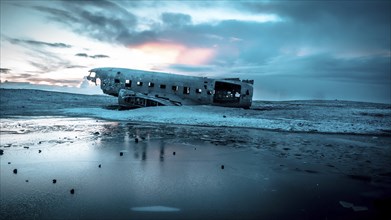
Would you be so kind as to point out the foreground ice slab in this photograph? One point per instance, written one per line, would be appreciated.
(155, 209)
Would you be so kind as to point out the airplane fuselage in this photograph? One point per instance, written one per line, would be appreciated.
(137, 88)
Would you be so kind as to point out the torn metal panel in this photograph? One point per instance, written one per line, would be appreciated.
(137, 88)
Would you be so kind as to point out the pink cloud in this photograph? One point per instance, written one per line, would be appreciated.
(172, 53)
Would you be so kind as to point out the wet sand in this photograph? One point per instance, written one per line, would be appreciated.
(187, 172)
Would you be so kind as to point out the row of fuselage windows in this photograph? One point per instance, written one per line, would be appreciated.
(186, 90)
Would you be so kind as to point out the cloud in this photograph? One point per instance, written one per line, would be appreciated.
(38, 43)
(52, 81)
(5, 70)
(176, 19)
(40, 56)
(75, 66)
(81, 55)
(102, 20)
(99, 56)
(191, 68)
(49, 64)
(372, 69)
(32, 78)
(92, 56)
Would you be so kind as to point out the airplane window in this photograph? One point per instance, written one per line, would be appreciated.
(186, 90)
(175, 88)
(198, 90)
(116, 80)
(139, 83)
(151, 84)
(128, 83)
(162, 86)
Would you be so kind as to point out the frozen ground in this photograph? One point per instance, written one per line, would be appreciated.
(282, 160)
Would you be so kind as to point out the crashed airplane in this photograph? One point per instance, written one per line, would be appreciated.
(137, 88)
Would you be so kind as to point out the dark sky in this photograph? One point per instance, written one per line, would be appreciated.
(292, 49)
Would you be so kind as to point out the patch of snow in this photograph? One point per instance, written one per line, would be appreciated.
(349, 205)
(155, 209)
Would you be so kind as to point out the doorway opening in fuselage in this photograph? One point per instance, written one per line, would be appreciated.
(226, 92)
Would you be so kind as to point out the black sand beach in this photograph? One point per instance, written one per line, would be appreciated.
(132, 170)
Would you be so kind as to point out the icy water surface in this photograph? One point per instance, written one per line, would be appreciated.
(122, 170)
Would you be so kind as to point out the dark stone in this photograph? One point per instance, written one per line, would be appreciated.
(40, 142)
(173, 153)
(39, 151)
(96, 133)
(26, 147)
(100, 166)
(224, 116)
(311, 171)
(27, 181)
(222, 167)
(15, 171)
(54, 181)
(9, 162)
(143, 138)
(136, 140)
(121, 153)
(1, 152)
(72, 191)
(360, 177)
(385, 174)
(382, 205)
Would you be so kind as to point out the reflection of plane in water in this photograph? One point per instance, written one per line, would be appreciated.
(137, 88)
